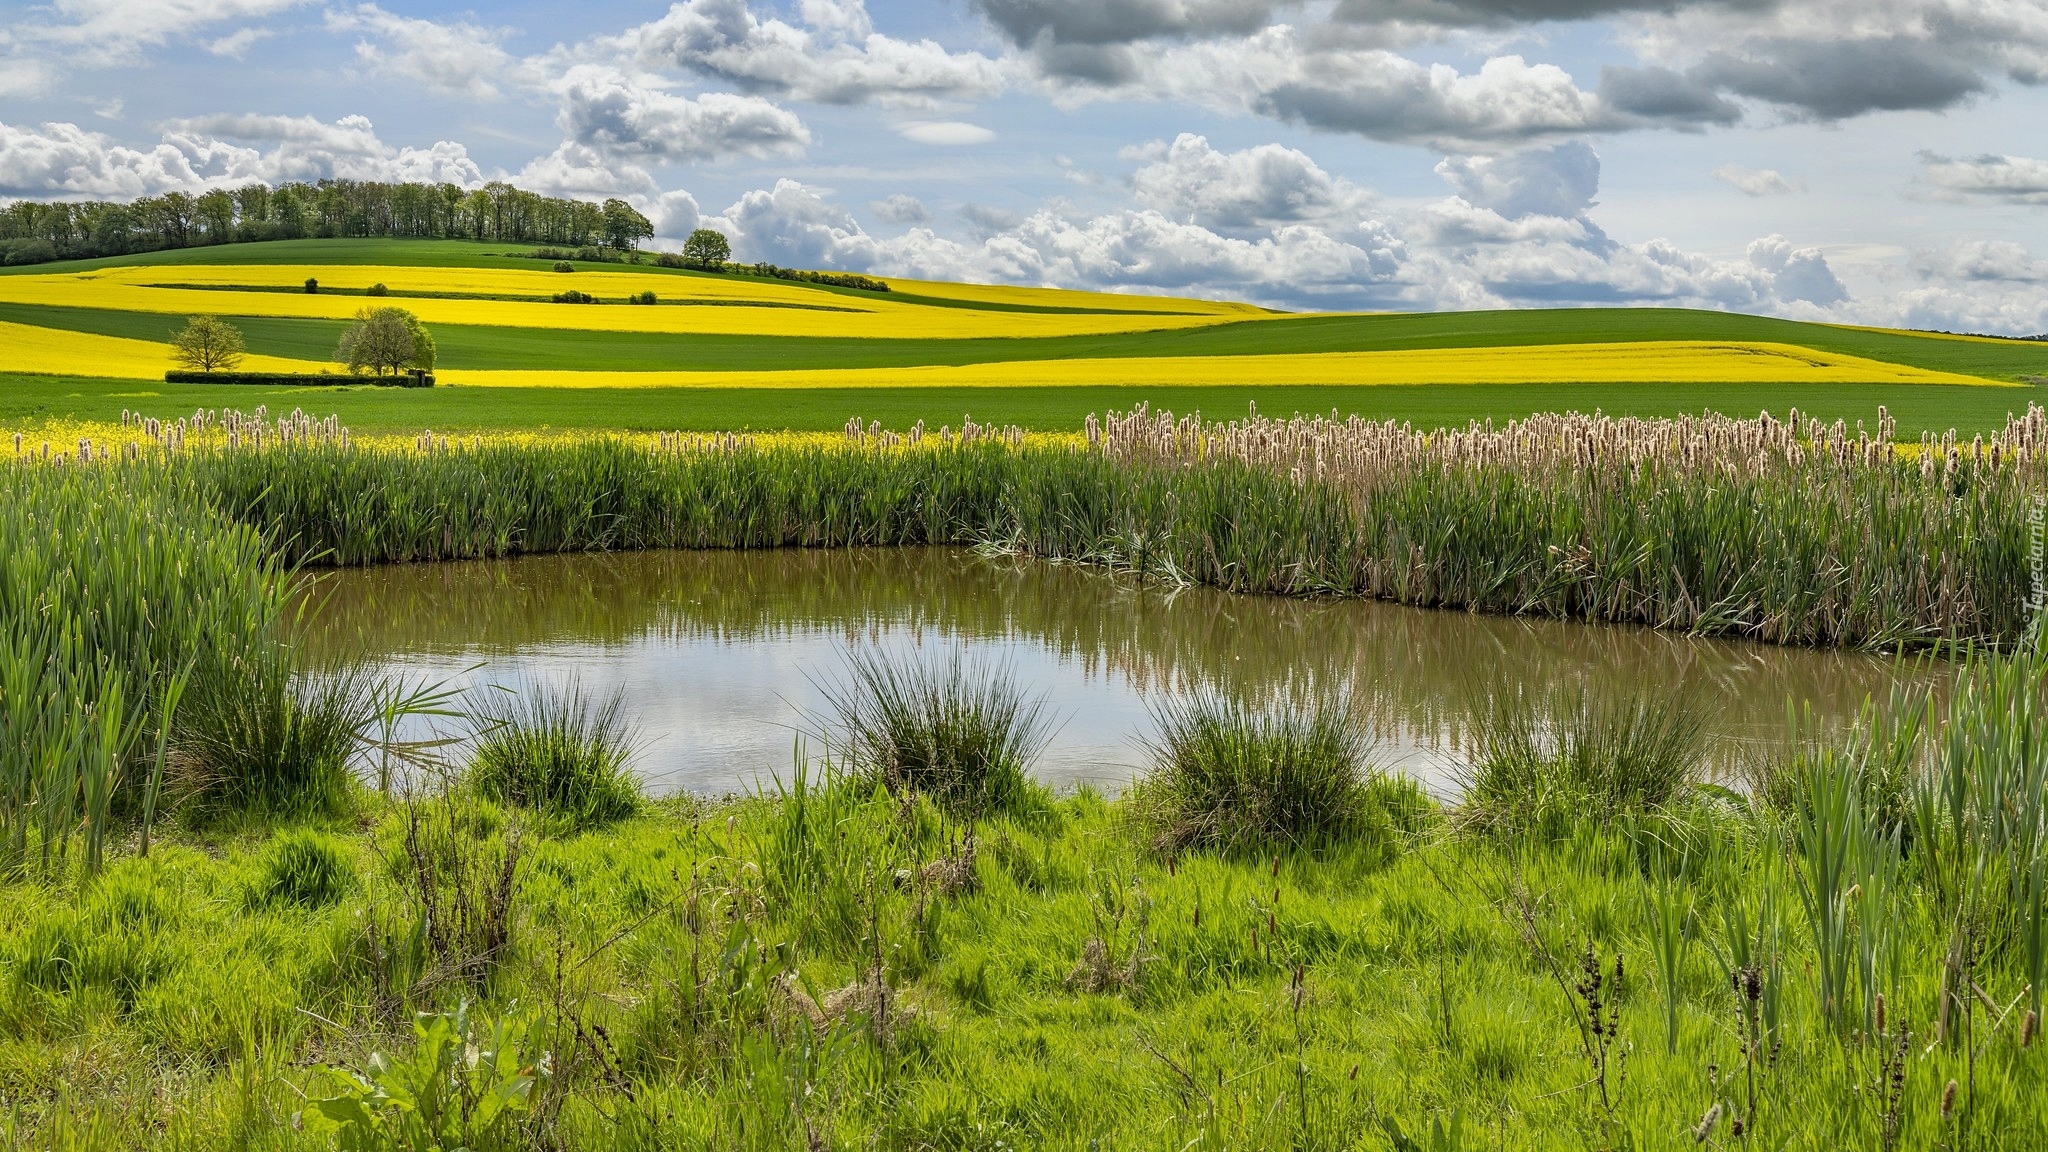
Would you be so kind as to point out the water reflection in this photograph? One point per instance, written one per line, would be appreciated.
(721, 654)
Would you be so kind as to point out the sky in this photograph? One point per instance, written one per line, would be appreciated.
(1869, 161)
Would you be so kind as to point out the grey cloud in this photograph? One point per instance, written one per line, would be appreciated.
(610, 114)
(2016, 179)
(987, 220)
(1104, 64)
(1059, 22)
(1836, 79)
(903, 209)
(836, 59)
(1661, 96)
(1389, 97)
(1998, 261)
(1470, 13)
(1559, 181)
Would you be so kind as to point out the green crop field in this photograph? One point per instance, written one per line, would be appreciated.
(28, 399)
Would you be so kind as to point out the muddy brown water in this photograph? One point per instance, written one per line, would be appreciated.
(723, 657)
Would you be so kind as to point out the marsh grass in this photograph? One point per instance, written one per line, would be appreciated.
(302, 868)
(275, 739)
(120, 588)
(1545, 761)
(459, 863)
(566, 758)
(1706, 524)
(961, 732)
(1241, 778)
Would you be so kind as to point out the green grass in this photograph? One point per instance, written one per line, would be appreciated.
(1231, 777)
(1070, 991)
(556, 754)
(964, 734)
(25, 400)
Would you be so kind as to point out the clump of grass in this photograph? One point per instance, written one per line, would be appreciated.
(273, 738)
(1547, 761)
(1236, 777)
(303, 868)
(963, 734)
(556, 754)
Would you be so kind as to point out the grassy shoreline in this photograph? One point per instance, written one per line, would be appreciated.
(1264, 945)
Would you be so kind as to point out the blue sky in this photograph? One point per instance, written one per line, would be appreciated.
(1867, 160)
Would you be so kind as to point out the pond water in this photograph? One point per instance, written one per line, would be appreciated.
(723, 658)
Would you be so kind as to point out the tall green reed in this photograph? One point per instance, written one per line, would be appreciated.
(1787, 533)
(120, 586)
(1981, 820)
(1847, 884)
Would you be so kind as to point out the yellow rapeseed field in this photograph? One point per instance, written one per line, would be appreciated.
(59, 353)
(137, 289)
(1649, 362)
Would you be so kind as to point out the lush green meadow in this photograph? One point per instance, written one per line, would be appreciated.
(28, 402)
(239, 910)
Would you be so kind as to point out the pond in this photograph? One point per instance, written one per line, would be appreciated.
(723, 658)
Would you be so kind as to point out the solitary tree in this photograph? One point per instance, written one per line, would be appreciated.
(707, 248)
(624, 226)
(207, 344)
(386, 340)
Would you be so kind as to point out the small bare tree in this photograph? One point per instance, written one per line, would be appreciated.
(207, 344)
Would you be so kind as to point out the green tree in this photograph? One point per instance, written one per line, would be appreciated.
(707, 248)
(207, 344)
(624, 226)
(386, 340)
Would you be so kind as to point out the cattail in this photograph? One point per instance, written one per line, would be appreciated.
(1880, 1012)
(1948, 1100)
(1705, 1128)
(2029, 1028)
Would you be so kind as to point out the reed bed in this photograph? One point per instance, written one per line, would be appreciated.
(1783, 531)
(1789, 531)
(122, 596)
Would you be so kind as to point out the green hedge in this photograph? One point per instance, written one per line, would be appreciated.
(301, 379)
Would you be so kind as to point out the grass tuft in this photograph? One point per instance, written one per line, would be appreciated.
(1545, 762)
(963, 734)
(1237, 778)
(558, 755)
(302, 868)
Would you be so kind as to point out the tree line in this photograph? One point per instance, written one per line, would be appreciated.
(33, 232)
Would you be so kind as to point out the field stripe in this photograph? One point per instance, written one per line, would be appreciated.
(130, 290)
(1676, 362)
